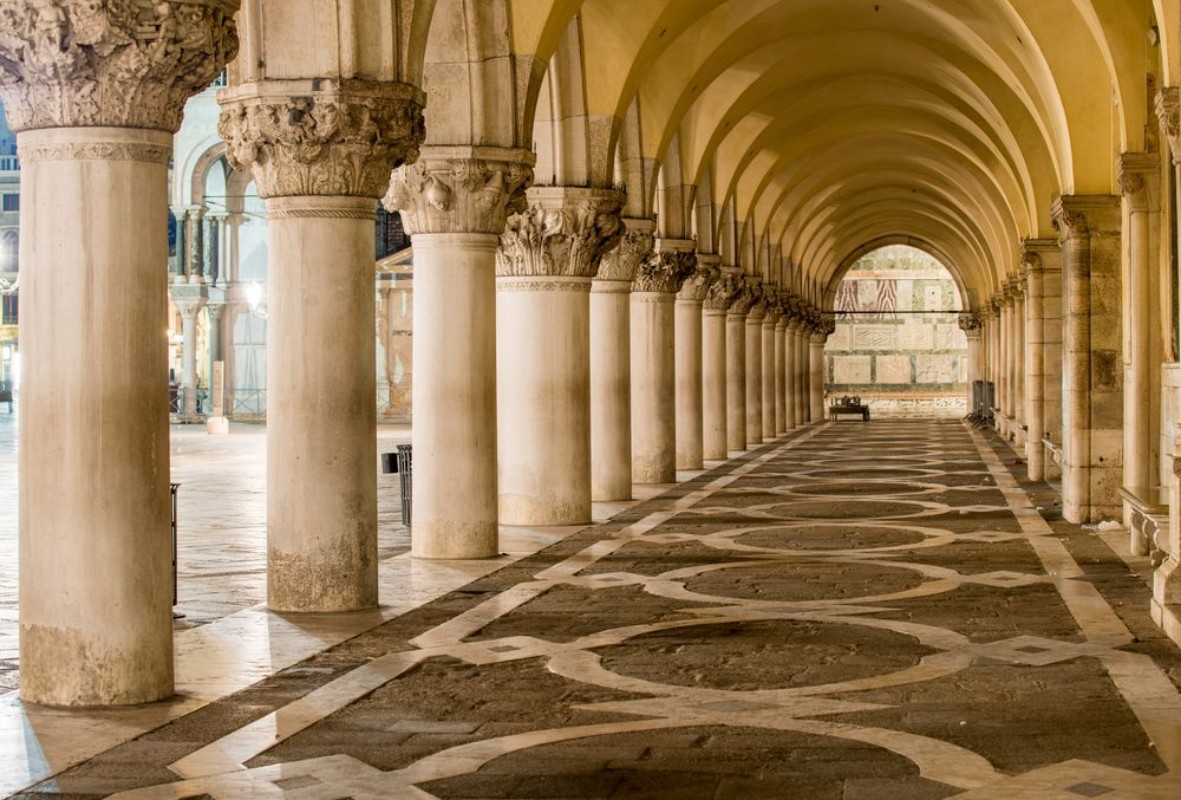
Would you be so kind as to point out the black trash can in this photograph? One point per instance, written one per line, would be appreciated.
(404, 474)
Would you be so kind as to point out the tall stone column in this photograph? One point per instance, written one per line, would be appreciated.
(1052, 350)
(1005, 393)
(454, 202)
(1019, 421)
(653, 299)
(1139, 176)
(321, 152)
(95, 92)
(791, 412)
(772, 374)
(1089, 229)
(722, 294)
(754, 365)
(816, 376)
(610, 363)
(195, 240)
(803, 371)
(689, 369)
(1033, 263)
(548, 256)
(782, 420)
(972, 326)
(736, 365)
(189, 306)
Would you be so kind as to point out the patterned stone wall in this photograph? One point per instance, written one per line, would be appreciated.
(898, 344)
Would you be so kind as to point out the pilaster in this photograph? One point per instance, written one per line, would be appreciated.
(1089, 231)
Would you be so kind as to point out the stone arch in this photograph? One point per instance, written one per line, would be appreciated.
(969, 298)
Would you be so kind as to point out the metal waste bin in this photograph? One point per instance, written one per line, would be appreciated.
(400, 462)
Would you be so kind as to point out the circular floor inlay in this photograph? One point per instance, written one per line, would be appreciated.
(792, 583)
(813, 537)
(772, 654)
(848, 509)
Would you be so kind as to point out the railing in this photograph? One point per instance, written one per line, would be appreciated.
(9, 164)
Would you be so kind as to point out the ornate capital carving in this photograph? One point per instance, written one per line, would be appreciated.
(758, 308)
(970, 322)
(621, 263)
(1139, 180)
(745, 299)
(563, 232)
(1079, 216)
(774, 305)
(723, 292)
(696, 287)
(1168, 111)
(665, 271)
(110, 63)
(322, 137)
(461, 189)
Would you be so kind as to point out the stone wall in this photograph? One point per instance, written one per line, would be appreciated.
(898, 344)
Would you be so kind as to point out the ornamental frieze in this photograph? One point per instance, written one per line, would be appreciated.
(110, 63)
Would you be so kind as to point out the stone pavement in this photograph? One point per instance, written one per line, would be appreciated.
(870, 611)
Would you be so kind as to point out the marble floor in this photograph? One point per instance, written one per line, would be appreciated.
(858, 611)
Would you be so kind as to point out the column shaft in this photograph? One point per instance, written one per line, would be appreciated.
(454, 396)
(754, 379)
(653, 387)
(771, 378)
(95, 586)
(816, 378)
(610, 398)
(782, 421)
(713, 335)
(1035, 366)
(321, 407)
(736, 380)
(543, 353)
(689, 423)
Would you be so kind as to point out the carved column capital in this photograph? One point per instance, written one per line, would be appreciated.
(637, 242)
(564, 232)
(774, 305)
(1168, 111)
(1139, 180)
(696, 287)
(110, 63)
(322, 137)
(758, 308)
(970, 322)
(665, 270)
(189, 306)
(1080, 216)
(745, 299)
(461, 189)
(723, 292)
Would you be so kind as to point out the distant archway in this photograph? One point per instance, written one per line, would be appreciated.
(897, 344)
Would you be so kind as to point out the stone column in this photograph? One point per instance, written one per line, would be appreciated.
(782, 421)
(791, 413)
(610, 363)
(454, 203)
(95, 94)
(803, 372)
(816, 376)
(321, 152)
(1139, 176)
(736, 364)
(754, 365)
(189, 305)
(1051, 257)
(195, 242)
(972, 326)
(690, 443)
(1019, 420)
(653, 298)
(548, 256)
(215, 248)
(1089, 229)
(1033, 266)
(1005, 331)
(772, 374)
(722, 294)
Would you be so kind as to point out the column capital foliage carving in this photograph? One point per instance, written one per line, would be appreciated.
(337, 138)
(758, 308)
(461, 189)
(774, 305)
(665, 272)
(564, 232)
(621, 263)
(745, 299)
(696, 287)
(723, 292)
(970, 322)
(1080, 216)
(1168, 111)
(110, 63)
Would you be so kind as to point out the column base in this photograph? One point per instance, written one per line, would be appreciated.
(217, 426)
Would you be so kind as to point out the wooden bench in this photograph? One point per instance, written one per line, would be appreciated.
(848, 405)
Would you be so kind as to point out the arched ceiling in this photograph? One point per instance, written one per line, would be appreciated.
(823, 125)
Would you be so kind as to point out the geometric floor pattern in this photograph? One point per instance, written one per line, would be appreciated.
(860, 611)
